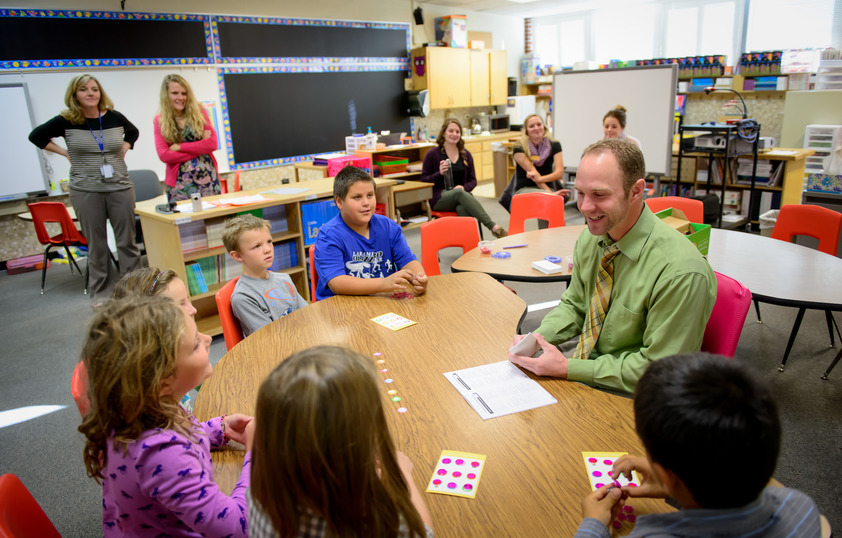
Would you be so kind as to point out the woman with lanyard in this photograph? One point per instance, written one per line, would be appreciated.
(450, 168)
(538, 159)
(97, 139)
(185, 141)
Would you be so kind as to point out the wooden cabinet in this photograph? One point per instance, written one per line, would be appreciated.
(480, 148)
(460, 77)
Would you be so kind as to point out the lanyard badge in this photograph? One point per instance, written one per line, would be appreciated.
(106, 169)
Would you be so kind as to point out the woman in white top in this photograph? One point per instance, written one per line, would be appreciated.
(614, 125)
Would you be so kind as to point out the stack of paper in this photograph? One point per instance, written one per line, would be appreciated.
(548, 268)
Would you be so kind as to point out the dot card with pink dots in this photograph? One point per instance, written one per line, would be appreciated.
(457, 473)
(393, 321)
(599, 466)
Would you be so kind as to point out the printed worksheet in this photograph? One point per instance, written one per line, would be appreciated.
(499, 389)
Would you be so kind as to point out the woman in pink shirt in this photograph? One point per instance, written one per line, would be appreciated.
(185, 141)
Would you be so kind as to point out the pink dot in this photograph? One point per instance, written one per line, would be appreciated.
(401, 409)
(609, 473)
(621, 517)
(384, 370)
(599, 485)
(460, 461)
(592, 460)
(616, 524)
(628, 509)
(597, 473)
(475, 464)
(451, 485)
(445, 460)
(632, 485)
(467, 487)
(616, 484)
(456, 474)
(471, 476)
(441, 472)
(377, 353)
(631, 517)
(608, 462)
(436, 482)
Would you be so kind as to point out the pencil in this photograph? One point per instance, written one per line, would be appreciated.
(517, 246)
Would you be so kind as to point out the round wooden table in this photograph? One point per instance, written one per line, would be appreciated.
(534, 479)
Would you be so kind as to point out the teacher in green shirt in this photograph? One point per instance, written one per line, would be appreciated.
(640, 290)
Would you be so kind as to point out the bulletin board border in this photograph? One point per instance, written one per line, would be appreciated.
(297, 68)
(217, 52)
(17, 65)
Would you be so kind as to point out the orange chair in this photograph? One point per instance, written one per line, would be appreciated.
(79, 388)
(725, 325)
(314, 275)
(43, 212)
(231, 330)
(694, 210)
(20, 514)
(237, 181)
(442, 233)
(443, 214)
(816, 222)
(536, 205)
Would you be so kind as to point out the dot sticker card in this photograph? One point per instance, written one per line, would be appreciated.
(599, 465)
(393, 321)
(457, 473)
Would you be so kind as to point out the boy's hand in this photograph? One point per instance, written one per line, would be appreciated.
(419, 283)
(603, 504)
(649, 485)
(398, 281)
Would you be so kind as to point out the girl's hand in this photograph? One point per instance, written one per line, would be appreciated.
(565, 193)
(406, 465)
(235, 427)
(206, 135)
(175, 147)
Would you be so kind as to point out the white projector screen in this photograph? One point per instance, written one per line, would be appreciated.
(581, 99)
(22, 173)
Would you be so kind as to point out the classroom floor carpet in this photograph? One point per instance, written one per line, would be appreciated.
(42, 337)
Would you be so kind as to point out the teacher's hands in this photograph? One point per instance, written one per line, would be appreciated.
(551, 362)
(443, 167)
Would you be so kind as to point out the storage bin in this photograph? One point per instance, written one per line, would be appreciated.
(336, 164)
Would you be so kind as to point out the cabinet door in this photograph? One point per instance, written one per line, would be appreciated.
(479, 78)
(498, 83)
(448, 77)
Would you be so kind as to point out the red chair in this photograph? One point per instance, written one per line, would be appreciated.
(314, 275)
(231, 330)
(694, 210)
(725, 325)
(536, 205)
(443, 214)
(442, 233)
(79, 388)
(816, 222)
(20, 514)
(44, 212)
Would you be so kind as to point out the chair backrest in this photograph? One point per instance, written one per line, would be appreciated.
(43, 212)
(725, 325)
(79, 388)
(811, 220)
(231, 330)
(146, 184)
(694, 210)
(236, 181)
(446, 232)
(314, 275)
(20, 514)
(536, 205)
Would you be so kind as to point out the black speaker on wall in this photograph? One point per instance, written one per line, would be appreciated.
(419, 16)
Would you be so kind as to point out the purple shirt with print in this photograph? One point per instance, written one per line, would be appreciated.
(163, 486)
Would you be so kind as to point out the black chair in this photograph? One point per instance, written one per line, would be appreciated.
(146, 186)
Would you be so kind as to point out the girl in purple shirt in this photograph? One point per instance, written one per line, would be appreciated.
(143, 354)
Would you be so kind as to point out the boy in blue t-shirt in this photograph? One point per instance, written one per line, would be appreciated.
(359, 252)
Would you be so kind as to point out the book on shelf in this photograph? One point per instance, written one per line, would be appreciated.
(195, 279)
(286, 256)
(277, 217)
(193, 236)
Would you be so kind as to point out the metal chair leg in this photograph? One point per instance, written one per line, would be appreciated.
(72, 261)
(757, 310)
(792, 335)
(44, 268)
(832, 364)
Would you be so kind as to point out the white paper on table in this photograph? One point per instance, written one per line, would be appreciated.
(240, 200)
(187, 207)
(286, 190)
(498, 389)
(780, 152)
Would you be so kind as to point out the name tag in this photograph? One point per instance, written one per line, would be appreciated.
(107, 171)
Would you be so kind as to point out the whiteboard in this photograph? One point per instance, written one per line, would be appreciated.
(21, 174)
(581, 99)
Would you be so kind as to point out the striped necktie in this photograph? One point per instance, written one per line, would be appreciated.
(599, 303)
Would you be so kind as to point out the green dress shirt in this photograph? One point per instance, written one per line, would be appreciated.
(661, 300)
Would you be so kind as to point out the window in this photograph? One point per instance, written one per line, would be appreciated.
(572, 42)
(624, 33)
(700, 28)
(784, 24)
(546, 44)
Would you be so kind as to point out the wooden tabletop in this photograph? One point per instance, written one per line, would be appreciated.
(540, 244)
(778, 272)
(534, 479)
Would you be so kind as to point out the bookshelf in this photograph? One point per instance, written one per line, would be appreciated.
(180, 241)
